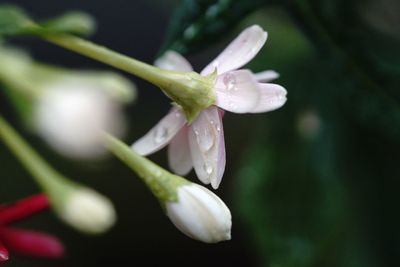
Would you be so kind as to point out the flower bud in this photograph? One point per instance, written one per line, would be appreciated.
(200, 214)
(71, 117)
(87, 211)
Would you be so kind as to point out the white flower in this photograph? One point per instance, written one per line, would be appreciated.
(201, 144)
(71, 116)
(200, 214)
(88, 211)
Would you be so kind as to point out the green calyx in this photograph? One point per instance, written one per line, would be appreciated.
(191, 91)
(162, 183)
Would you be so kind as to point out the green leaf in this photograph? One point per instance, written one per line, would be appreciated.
(14, 21)
(74, 22)
(197, 23)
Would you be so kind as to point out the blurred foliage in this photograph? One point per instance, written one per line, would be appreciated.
(196, 23)
(318, 184)
(15, 21)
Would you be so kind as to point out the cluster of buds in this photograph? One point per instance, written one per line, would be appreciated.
(26, 242)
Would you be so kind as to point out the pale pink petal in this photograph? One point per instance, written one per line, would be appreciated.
(266, 76)
(221, 157)
(239, 51)
(273, 96)
(172, 60)
(237, 91)
(179, 158)
(207, 146)
(161, 134)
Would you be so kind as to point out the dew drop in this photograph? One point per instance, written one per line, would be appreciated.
(232, 105)
(281, 97)
(208, 168)
(230, 81)
(205, 139)
(160, 134)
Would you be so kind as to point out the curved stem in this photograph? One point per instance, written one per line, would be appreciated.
(45, 176)
(107, 56)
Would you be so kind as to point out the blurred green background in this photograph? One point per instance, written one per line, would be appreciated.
(314, 183)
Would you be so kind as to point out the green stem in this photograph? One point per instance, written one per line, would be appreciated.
(100, 53)
(190, 90)
(162, 183)
(49, 179)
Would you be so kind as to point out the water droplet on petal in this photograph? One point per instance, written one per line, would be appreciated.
(160, 134)
(232, 105)
(230, 81)
(208, 168)
(205, 139)
(281, 97)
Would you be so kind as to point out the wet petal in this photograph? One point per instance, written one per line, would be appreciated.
(237, 91)
(161, 134)
(273, 96)
(266, 76)
(31, 243)
(179, 158)
(239, 51)
(221, 158)
(172, 60)
(207, 146)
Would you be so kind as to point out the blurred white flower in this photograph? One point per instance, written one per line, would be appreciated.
(200, 214)
(87, 211)
(71, 116)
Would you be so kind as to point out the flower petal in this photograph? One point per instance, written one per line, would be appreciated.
(266, 76)
(200, 214)
(273, 96)
(207, 146)
(237, 91)
(221, 158)
(172, 60)
(239, 51)
(31, 243)
(161, 134)
(179, 158)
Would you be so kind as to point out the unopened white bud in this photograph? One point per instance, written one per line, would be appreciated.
(88, 211)
(72, 116)
(200, 214)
